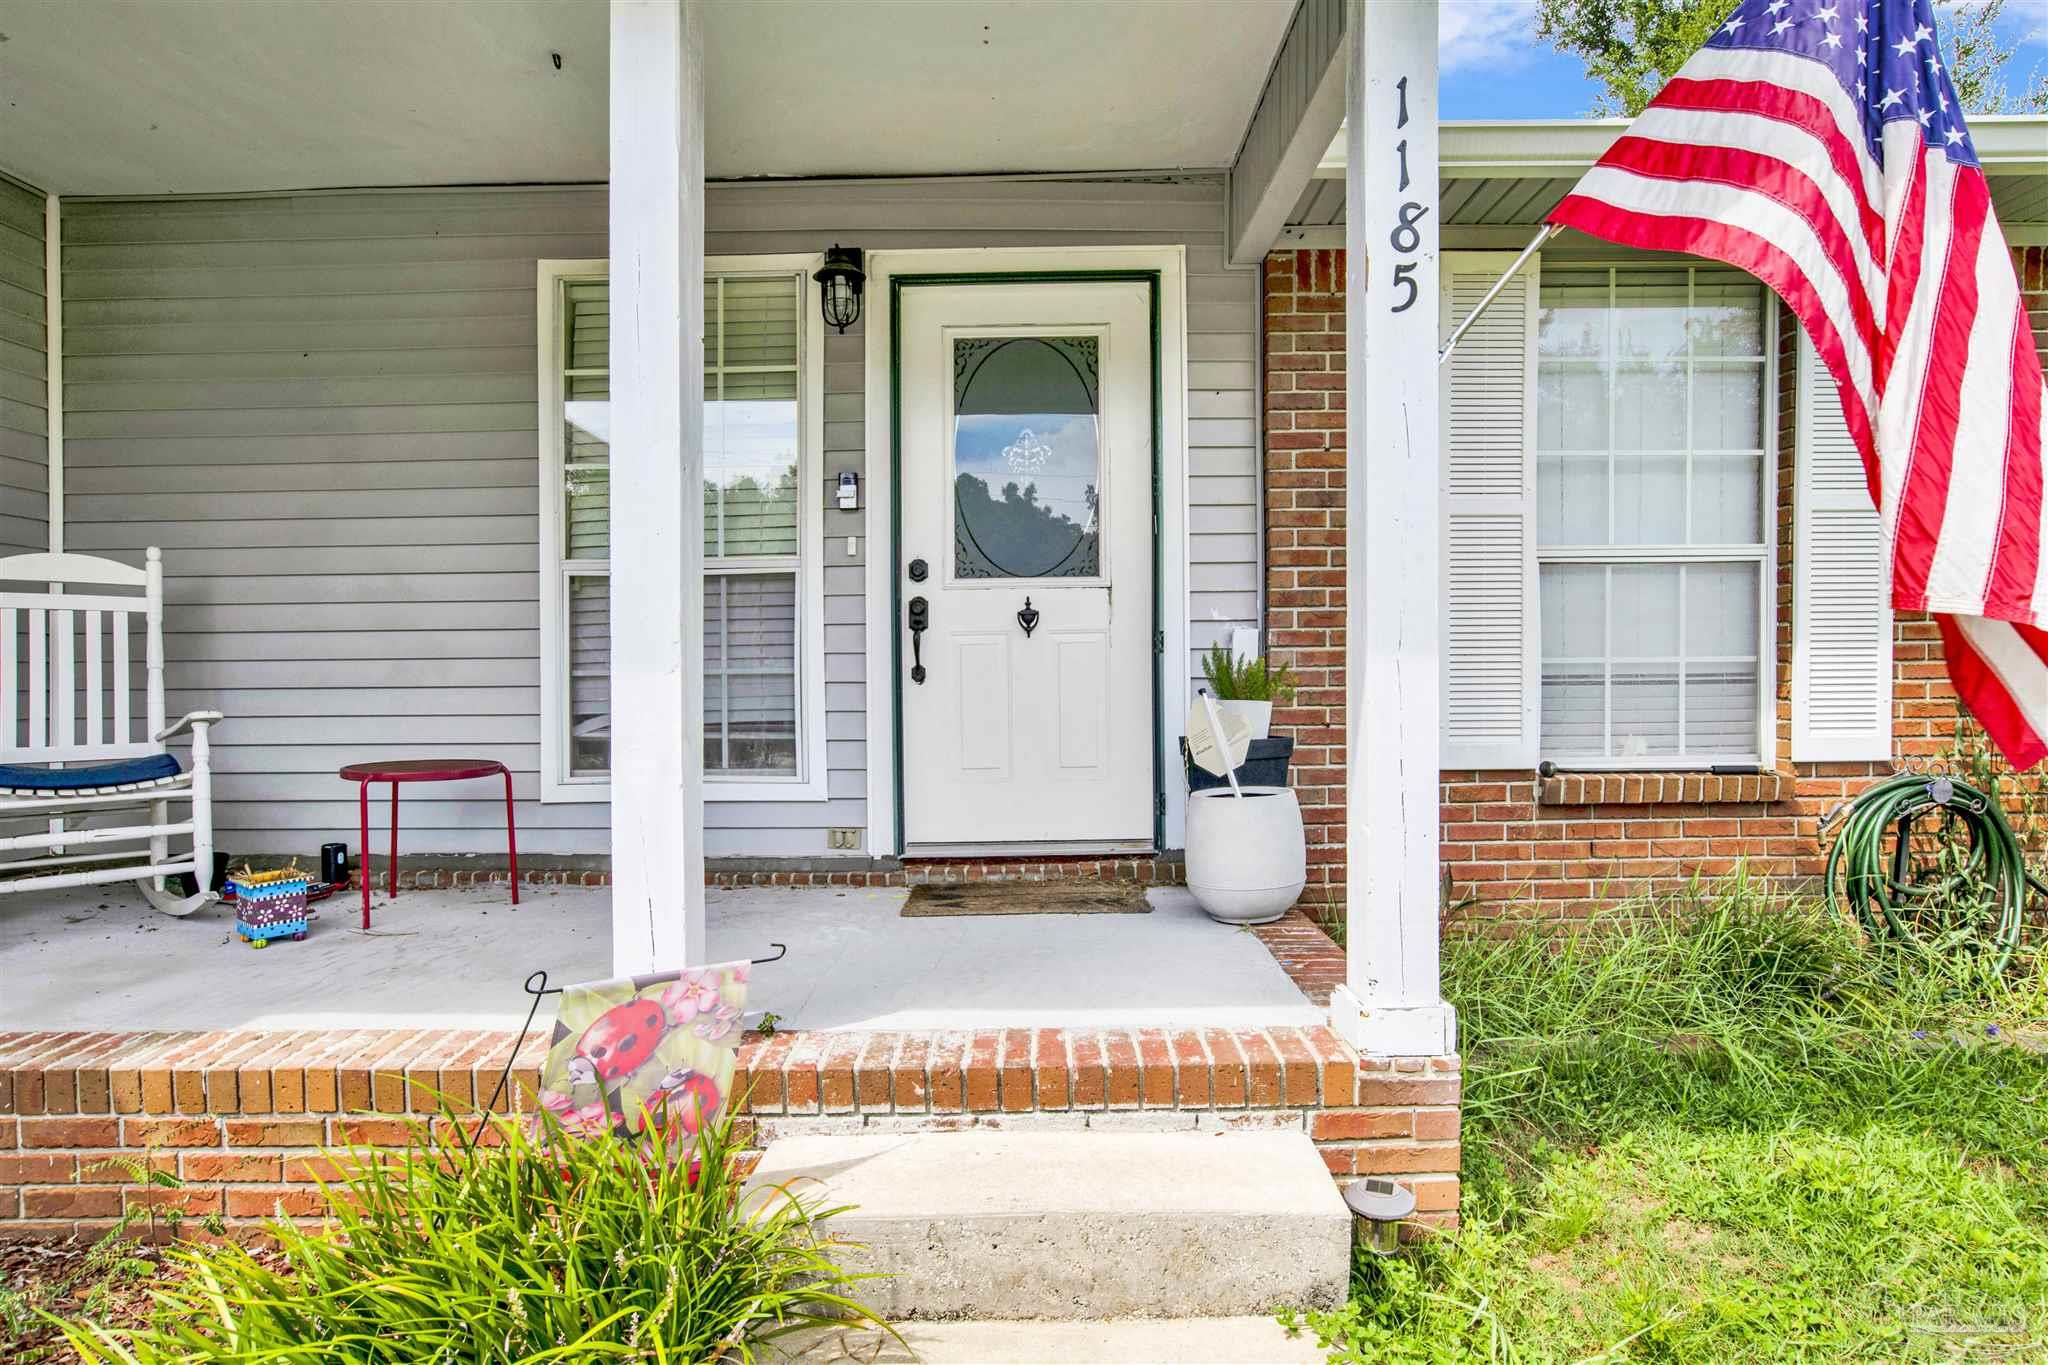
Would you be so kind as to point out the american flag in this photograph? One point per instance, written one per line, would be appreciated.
(1819, 145)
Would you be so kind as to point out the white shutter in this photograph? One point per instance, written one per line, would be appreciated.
(1842, 624)
(1489, 553)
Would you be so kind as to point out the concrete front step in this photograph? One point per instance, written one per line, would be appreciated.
(1124, 1341)
(1077, 1225)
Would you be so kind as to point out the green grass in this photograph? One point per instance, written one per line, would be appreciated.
(1718, 1128)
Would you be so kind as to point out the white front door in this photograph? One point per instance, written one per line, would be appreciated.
(1026, 498)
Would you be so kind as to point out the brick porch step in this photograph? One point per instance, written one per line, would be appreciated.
(993, 1225)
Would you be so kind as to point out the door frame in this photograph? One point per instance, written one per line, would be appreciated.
(1163, 271)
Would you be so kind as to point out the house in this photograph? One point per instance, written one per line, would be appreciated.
(471, 365)
(1575, 641)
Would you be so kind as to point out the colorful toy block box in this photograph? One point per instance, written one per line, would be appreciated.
(270, 905)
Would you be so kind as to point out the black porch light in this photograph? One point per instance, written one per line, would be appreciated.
(839, 283)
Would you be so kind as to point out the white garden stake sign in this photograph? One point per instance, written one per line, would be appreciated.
(1247, 855)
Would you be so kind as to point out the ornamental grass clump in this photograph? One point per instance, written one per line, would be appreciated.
(1234, 679)
(536, 1247)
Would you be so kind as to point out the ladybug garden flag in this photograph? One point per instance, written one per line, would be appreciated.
(645, 1052)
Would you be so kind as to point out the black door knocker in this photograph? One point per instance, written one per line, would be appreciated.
(920, 622)
(1028, 618)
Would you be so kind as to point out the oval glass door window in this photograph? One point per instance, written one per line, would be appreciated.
(1027, 457)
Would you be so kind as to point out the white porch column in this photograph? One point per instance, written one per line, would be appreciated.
(657, 504)
(1390, 1003)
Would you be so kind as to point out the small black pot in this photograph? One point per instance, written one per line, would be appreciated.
(334, 864)
(1265, 765)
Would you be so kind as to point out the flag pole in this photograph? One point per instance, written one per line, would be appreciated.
(1548, 231)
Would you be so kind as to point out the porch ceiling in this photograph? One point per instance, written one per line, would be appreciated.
(132, 97)
(1525, 200)
(1514, 173)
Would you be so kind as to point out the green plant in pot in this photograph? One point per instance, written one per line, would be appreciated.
(1247, 687)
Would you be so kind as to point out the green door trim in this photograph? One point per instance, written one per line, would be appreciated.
(897, 284)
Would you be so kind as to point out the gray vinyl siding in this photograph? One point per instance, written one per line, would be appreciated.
(24, 395)
(323, 407)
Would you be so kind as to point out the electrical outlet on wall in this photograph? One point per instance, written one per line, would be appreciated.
(842, 838)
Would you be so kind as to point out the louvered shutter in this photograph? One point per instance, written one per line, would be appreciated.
(1489, 563)
(1842, 626)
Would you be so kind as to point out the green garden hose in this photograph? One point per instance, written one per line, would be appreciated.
(1977, 893)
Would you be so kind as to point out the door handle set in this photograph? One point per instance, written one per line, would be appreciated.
(920, 622)
(919, 614)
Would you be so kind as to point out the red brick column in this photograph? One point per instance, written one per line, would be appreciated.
(1304, 527)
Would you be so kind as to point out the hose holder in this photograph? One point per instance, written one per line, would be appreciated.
(1870, 873)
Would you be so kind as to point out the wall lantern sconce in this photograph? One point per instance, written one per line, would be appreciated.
(1380, 1205)
(839, 285)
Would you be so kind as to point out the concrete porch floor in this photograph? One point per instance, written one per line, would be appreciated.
(98, 958)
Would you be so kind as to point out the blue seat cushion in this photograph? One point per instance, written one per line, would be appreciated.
(121, 772)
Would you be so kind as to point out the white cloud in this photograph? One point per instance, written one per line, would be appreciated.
(1475, 32)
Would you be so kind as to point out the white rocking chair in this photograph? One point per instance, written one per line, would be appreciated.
(56, 763)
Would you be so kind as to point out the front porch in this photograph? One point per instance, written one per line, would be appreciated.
(122, 1033)
(425, 482)
(430, 465)
(99, 959)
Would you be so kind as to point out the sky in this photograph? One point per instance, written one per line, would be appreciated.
(1494, 66)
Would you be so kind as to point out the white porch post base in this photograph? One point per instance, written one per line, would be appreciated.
(1393, 1030)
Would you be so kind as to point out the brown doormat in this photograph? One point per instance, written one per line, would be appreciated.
(1026, 898)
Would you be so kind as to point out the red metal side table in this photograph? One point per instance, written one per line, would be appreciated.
(399, 771)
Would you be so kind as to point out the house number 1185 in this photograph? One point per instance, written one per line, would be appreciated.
(1405, 238)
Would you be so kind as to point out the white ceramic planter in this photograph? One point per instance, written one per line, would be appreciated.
(1247, 859)
(1258, 715)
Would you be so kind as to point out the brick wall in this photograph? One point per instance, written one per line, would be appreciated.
(240, 1117)
(1304, 528)
(1514, 846)
(243, 1117)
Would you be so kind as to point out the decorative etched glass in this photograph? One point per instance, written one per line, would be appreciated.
(1027, 457)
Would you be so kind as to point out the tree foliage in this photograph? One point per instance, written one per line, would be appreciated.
(1979, 58)
(1631, 47)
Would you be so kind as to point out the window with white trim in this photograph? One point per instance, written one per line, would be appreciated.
(762, 706)
(1653, 490)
